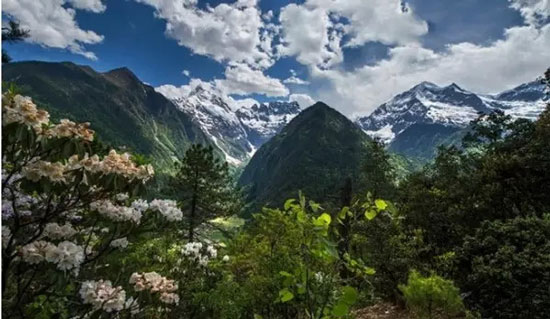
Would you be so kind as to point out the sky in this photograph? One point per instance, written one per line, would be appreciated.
(351, 54)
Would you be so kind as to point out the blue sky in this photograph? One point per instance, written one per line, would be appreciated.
(417, 44)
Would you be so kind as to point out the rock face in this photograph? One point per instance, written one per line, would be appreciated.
(238, 133)
(315, 153)
(415, 122)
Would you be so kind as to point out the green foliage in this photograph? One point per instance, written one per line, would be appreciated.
(428, 296)
(286, 265)
(12, 33)
(506, 267)
(124, 112)
(204, 187)
(317, 152)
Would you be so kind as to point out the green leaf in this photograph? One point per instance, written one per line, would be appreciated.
(370, 214)
(285, 295)
(369, 271)
(289, 203)
(380, 204)
(314, 206)
(349, 295)
(323, 220)
(343, 213)
(340, 310)
(286, 274)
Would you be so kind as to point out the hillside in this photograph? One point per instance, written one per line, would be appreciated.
(316, 152)
(123, 111)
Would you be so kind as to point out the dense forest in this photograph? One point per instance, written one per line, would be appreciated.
(323, 222)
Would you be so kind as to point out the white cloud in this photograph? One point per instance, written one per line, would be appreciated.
(534, 11)
(520, 57)
(52, 23)
(303, 100)
(90, 5)
(243, 80)
(295, 80)
(186, 73)
(309, 34)
(314, 32)
(227, 32)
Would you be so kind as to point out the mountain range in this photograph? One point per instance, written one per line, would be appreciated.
(414, 122)
(129, 113)
(236, 132)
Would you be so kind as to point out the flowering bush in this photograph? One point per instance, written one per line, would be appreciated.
(64, 211)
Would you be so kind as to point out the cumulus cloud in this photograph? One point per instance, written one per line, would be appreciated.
(241, 79)
(52, 23)
(90, 5)
(303, 100)
(314, 31)
(295, 80)
(520, 57)
(227, 32)
(534, 12)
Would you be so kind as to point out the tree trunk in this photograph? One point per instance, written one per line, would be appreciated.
(192, 218)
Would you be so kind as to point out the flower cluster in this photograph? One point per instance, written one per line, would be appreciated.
(55, 231)
(120, 243)
(121, 164)
(195, 251)
(70, 129)
(115, 212)
(102, 295)
(154, 282)
(55, 172)
(22, 110)
(168, 208)
(66, 255)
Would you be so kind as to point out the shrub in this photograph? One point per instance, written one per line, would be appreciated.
(428, 296)
(508, 266)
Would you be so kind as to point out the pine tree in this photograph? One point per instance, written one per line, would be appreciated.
(11, 34)
(205, 188)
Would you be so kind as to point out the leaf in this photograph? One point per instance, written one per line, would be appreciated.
(286, 274)
(314, 206)
(285, 295)
(323, 220)
(380, 204)
(370, 214)
(369, 271)
(343, 213)
(349, 295)
(289, 203)
(340, 310)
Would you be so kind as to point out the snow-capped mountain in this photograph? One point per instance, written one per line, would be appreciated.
(262, 121)
(449, 106)
(237, 131)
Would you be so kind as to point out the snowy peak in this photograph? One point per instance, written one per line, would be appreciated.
(453, 106)
(237, 133)
(263, 121)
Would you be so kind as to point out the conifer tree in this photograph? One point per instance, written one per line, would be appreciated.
(204, 187)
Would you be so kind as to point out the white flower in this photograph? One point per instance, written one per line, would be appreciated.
(140, 205)
(225, 258)
(6, 235)
(67, 256)
(36, 252)
(116, 213)
(54, 231)
(168, 208)
(152, 281)
(102, 295)
(169, 298)
(120, 243)
(122, 197)
(212, 251)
